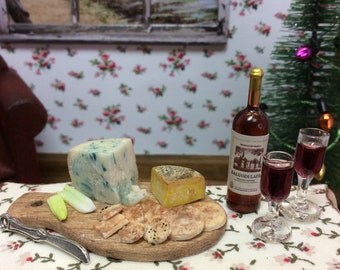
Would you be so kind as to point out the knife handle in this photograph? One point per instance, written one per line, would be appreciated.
(10, 224)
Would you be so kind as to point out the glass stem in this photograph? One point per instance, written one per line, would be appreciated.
(273, 210)
(301, 192)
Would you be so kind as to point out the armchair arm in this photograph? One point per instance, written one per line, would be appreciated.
(22, 117)
(20, 110)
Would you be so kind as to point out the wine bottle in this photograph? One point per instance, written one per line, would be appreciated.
(249, 139)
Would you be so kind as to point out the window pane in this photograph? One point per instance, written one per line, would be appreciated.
(110, 12)
(184, 11)
(107, 21)
(48, 11)
(90, 11)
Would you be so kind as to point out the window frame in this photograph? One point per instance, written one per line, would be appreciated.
(146, 32)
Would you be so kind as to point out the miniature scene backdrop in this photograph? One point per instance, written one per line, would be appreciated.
(170, 99)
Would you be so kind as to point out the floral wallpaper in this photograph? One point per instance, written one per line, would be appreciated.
(168, 99)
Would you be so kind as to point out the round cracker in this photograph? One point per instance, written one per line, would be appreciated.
(152, 209)
(186, 222)
(134, 213)
(157, 231)
(214, 215)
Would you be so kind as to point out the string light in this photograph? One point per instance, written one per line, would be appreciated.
(326, 119)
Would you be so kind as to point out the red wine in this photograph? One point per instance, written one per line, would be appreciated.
(309, 158)
(276, 179)
(248, 144)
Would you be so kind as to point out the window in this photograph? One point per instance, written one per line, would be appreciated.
(107, 21)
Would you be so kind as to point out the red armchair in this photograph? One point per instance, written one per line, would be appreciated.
(22, 117)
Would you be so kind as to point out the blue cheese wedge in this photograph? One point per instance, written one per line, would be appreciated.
(106, 171)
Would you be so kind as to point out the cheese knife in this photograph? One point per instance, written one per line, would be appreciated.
(10, 224)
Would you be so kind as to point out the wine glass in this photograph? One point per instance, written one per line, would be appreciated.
(276, 181)
(309, 155)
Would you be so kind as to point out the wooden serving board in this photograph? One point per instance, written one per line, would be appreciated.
(32, 210)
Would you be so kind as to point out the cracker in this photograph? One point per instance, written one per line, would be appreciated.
(186, 222)
(213, 214)
(109, 227)
(131, 233)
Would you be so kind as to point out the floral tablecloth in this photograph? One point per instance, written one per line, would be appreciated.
(312, 246)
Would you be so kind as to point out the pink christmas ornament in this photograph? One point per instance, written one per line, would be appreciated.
(303, 53)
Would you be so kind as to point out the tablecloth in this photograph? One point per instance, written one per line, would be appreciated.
(312, 246)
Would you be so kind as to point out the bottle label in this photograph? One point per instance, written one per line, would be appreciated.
(245, 163)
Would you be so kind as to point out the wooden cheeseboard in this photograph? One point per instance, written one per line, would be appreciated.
(32, 210)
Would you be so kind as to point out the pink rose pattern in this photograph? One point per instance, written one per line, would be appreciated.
(176, 62)
(125, 113)
(105, 65)
(41, 60)
(172, 120)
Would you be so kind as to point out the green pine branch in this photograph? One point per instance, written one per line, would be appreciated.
(292, 87)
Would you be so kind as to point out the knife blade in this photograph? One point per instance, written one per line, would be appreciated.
(11, 224)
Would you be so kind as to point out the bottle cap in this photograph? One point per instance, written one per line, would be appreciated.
(256, 72)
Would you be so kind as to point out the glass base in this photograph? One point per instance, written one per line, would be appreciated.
(271, 230)
(300, 212)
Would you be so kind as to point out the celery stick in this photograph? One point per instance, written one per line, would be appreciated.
(57, 207)
(77, 200)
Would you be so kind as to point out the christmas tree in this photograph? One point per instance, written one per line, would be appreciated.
(304, 73)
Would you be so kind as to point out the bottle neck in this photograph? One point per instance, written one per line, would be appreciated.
(254, 92)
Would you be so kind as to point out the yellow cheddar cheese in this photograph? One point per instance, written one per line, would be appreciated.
(176, 185)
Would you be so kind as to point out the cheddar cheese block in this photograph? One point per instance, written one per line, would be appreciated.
(106, 170)
(176, 185)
